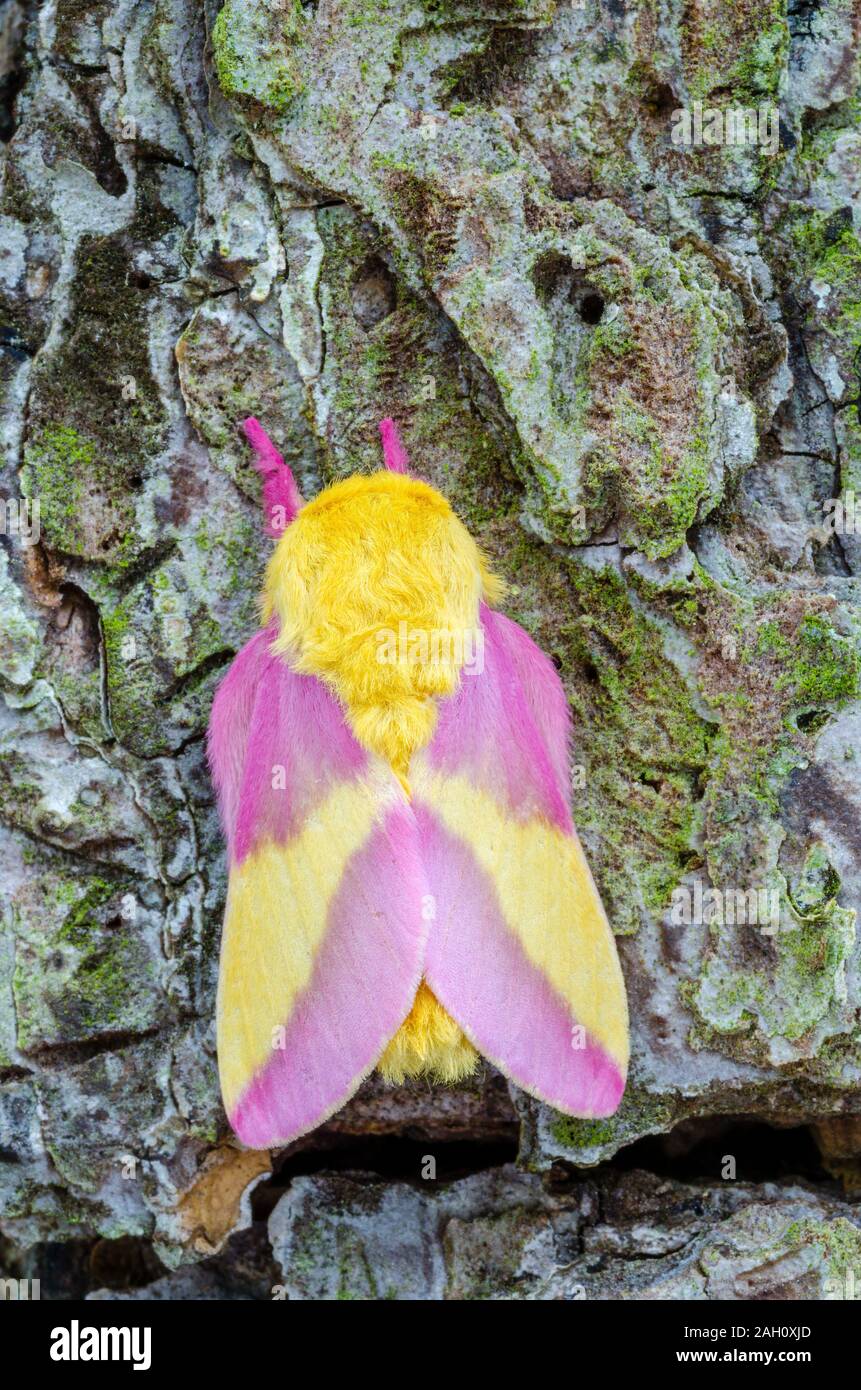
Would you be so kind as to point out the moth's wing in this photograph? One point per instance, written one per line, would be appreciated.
(520, 951)
(323, 938)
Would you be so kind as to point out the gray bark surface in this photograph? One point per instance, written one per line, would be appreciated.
(634, 368)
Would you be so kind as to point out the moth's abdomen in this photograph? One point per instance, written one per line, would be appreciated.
(428, 1043)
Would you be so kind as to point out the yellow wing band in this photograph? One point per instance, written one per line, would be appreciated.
(548, 898)
(277, 909)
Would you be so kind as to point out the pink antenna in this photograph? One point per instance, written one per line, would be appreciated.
(281, 496)
(394, 454)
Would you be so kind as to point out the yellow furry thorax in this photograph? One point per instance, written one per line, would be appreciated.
(372, 558)
(368, 561)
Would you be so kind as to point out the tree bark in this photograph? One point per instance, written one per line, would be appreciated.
(631, 358)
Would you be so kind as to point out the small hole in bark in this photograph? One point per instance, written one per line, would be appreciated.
(590, 672)
(649, 779)
(128, 1262)
(591, 307)
(374, 294)
(139, 280)
(812, 720)
(661, 99)
(74, 631)
(837, 225)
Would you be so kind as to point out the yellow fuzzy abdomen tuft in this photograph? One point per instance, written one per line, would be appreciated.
(428, 1042)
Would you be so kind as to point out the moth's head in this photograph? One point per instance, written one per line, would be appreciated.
(366, 556)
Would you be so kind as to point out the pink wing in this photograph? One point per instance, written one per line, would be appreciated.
(323, 936)
(520, 951)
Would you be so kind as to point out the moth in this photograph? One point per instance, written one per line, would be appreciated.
(406, 887)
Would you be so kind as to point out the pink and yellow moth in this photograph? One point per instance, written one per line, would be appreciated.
(406, 886)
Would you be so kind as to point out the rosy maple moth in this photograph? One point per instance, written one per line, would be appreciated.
(406, 886)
